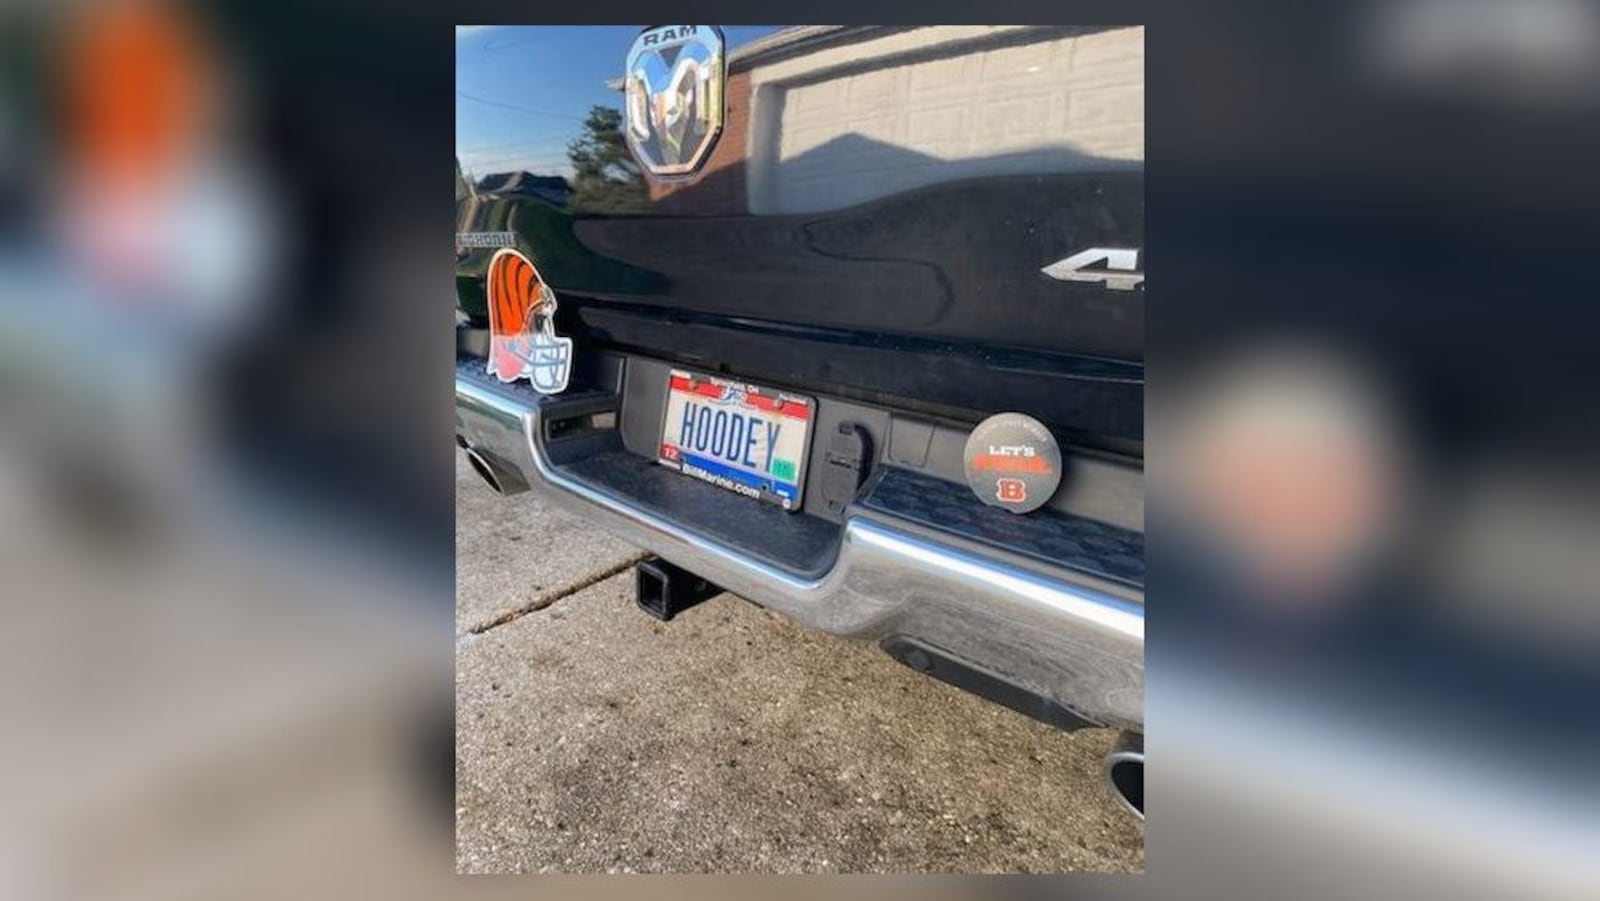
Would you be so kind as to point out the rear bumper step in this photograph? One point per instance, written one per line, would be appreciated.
(1075, 640)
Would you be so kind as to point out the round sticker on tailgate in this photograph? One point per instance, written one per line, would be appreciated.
(1013, 462)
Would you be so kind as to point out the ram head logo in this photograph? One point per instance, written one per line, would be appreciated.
(674, 88)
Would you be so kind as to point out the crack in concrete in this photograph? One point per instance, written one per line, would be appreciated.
(547, 600)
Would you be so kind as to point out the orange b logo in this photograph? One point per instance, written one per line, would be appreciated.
(1012, 491)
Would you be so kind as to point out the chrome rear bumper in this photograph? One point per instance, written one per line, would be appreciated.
(1072, 643)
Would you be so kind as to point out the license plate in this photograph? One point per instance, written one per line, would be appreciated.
(745, 438)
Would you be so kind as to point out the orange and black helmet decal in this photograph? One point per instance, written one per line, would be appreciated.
(515, 294)
(522, 338)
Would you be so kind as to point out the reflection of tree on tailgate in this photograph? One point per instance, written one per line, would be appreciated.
(605, 177)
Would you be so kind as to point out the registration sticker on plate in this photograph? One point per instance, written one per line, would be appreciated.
(742, 437)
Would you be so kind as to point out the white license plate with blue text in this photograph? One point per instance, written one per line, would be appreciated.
(744, 438)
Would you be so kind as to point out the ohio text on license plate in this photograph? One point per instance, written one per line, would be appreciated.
(742, 437)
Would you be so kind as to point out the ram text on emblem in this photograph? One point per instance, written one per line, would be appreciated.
(674, 98)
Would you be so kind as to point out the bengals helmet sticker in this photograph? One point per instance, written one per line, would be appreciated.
(522, 338)
(1013, 462)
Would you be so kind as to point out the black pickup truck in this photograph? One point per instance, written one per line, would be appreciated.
(779, 315)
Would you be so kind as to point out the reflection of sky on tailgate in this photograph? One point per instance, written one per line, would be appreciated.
(522, 91)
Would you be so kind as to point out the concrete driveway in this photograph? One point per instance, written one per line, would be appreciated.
(592, 738)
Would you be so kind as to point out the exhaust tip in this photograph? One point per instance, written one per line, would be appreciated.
(484, 470)
(1125, 772)
(499, 475)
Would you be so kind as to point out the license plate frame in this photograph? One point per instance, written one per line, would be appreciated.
(757, 437)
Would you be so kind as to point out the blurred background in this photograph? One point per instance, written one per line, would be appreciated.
(226, 520)
(227, 517)
(1372, 521)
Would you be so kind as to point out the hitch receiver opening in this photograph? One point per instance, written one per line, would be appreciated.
(665, 590)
